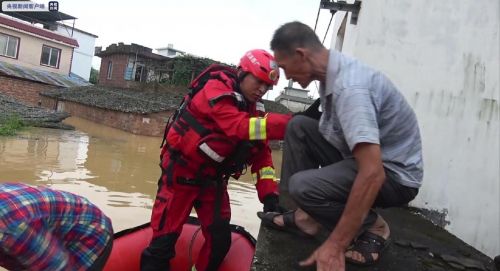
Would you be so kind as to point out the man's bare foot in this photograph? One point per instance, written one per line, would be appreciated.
(379, 228)
(303, 221)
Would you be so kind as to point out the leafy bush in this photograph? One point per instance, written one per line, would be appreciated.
(94, 76)
(10, 125)
(185, 68)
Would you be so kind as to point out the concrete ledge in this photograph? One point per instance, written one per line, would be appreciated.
(417, 244)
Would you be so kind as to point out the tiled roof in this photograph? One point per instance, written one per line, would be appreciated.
(37, 31)
(130, 49)
(41, 76)
(123, 100)
(132, 101)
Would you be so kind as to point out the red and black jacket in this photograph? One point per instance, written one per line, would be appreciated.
(213, 121)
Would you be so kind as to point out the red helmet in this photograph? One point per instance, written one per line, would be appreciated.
(260, 64)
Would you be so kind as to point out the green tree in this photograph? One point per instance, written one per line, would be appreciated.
(182, 71)
(94, 76)
(185, 68)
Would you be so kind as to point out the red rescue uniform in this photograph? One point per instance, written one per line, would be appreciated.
(196, 163)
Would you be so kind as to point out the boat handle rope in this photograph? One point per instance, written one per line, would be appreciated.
(190, 266)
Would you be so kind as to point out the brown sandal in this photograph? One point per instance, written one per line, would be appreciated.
(288, 219)
(366, 244)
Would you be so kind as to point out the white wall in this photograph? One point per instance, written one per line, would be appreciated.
(82, 57)
(444, 56)
(302, 93)
(169, 52)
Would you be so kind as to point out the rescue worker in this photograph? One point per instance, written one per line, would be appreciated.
(219, 128)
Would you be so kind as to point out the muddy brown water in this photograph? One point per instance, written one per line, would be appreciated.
(116, 170)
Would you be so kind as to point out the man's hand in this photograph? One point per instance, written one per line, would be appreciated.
(328, 257)
(271, 204)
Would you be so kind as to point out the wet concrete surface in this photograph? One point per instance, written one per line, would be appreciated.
(416, 245)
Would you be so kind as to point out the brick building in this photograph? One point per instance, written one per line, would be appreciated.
(33, 59)
(128, 66)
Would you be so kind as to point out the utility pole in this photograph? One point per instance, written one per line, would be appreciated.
(342, 6)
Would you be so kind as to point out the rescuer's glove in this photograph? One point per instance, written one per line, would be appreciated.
(271, 204)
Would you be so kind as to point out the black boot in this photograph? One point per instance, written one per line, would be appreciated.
(156, 257)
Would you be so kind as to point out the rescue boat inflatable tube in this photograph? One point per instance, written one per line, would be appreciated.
(129, 244)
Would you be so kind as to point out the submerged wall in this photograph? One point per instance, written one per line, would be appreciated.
(25, 91)
(152, 124)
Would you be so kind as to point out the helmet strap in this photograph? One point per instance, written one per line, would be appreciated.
(241, 76)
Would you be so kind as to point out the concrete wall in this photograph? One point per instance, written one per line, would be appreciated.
(82, 56)
(169, 52)
(302, 93)
(444, 56)
(30, 52)
(140, 124)
(23, 90)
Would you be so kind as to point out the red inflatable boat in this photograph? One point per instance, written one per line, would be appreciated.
(128, 246)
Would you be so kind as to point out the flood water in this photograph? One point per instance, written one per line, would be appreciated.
(116, 170)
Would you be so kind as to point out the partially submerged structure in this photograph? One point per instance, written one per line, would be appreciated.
(34, 59)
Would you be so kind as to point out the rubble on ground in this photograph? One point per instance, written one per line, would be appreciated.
(123, 100)
(32, 115)
(133, 101)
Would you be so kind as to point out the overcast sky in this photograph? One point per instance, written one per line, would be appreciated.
(219, 29)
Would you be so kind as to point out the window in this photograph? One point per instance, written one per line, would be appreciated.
(129, 69)
(8, 45)
(50, 56)
(110, 69)
(138, 73)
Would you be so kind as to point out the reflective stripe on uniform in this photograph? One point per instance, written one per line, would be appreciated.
(267, 173)
(257, 128)
(211, 153)
(239, 97)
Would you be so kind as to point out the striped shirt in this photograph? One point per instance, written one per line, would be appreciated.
(44, 229)
(361, 105)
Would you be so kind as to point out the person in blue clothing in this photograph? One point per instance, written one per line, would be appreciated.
(363, 150)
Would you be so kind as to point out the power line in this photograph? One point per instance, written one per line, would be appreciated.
(328, 28)
(317, 16)
(326, 33)
(65, 27)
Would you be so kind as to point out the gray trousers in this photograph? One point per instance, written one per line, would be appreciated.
(316, 178)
